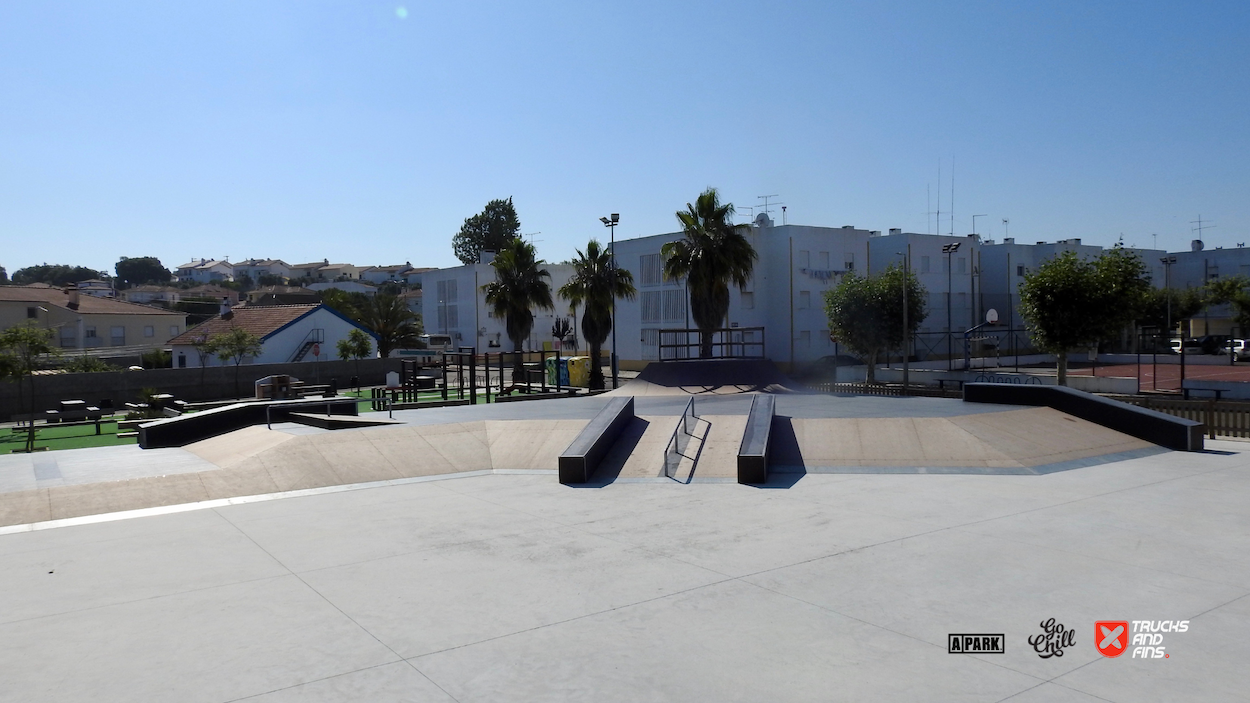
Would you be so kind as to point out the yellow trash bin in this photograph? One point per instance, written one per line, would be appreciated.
(579, 371)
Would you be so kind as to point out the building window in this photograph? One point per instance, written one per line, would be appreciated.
(67, 336)
(650, 344)
(961, 265)
(117, 335)
(674, 306)
(149, 331)
(32, 313)
(1020, 270)
(748, 301)
(924, 264)
(805, 299)
(651, 303)
(173, 331)
(849, 263)
(649, 270)
(822, 260)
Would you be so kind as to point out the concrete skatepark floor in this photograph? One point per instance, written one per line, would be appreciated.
(514, 588)
(453, 567)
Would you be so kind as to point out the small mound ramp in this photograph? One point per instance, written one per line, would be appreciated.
(708, 376)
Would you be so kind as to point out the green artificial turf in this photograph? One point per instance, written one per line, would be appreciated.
(75, 437)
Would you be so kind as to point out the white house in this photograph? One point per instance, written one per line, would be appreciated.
(205, 271)
(289, 333)
(385, 274)
(454, 304)
(368, 289)
(97, 288)
(255, 268)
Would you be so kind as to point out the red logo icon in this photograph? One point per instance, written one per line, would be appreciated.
(1111, 637)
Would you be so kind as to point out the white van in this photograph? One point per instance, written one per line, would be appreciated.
(437, 342)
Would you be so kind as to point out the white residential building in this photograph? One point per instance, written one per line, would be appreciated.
(785, 296)
(378, 275)
(454, 303)
(289, 333)
(255, 268)
(205, 271)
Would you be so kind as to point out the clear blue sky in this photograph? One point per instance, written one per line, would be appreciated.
(367, 131)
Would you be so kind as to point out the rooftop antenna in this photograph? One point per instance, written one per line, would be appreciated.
(750, 216)
(952, 195)
(765, 199)
(783, 214)
(1005, 223)
(1201, 226)
(1156, 236)
(531, 236)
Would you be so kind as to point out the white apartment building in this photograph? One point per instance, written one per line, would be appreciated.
(785, 296)
(453, 303)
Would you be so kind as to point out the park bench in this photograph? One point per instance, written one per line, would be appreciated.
(1218, 388)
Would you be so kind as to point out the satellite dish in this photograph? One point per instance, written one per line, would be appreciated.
(991, 316)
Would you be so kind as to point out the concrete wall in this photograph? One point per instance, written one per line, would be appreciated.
(185, 384)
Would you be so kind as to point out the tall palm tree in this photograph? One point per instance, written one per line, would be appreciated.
(594, 285)
(392, 321)
(517, 289)
(714, 253)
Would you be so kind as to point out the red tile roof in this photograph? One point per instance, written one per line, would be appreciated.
(87, 304)
(260, 321)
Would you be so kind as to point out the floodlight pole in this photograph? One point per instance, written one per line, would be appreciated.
(949, 250)
(611, 225)
(906, 328)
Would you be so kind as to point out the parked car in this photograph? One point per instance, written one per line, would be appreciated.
(1191, 346)
(1212, 343)
(1239, 348)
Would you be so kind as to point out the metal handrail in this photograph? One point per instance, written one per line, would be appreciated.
(682, 425)
(390, 410)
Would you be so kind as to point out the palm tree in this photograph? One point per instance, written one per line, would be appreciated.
(594, 285)
(392, 321)
(518, 287)
(714, 253)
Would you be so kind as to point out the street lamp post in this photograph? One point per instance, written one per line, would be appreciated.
(949, 249)
(906, 329)
(1167, 262)
(611, 223)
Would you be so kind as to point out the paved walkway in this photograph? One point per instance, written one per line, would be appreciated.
(515, 588)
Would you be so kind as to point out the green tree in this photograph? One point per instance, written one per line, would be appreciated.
(1231, 290)
(4, 276)
(594, 285)
(86, 363)
(713, 253)
(491, 229)
(141, 270)
(235, 346)
(1069, 303)
(518, 288)
(394, 324)
(1184, 304)
(350, 304)
(55, 274)
(356, 345)
(22, 345)
(866, 314)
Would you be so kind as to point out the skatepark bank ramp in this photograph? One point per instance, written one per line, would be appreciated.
(708, 376)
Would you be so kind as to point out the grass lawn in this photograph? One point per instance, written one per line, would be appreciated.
(53, 437)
